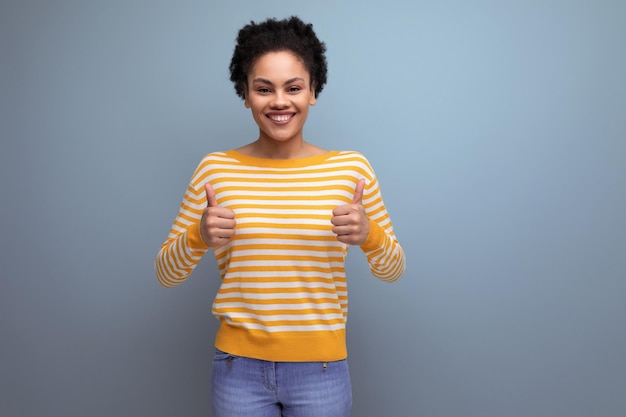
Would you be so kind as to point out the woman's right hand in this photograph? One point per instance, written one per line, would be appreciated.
(217, 225)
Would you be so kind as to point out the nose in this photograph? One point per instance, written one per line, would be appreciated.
(279, 100)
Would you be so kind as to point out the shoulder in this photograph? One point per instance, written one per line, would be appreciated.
(217, 159)
(209, 164)
(353, 158)
(218, 156)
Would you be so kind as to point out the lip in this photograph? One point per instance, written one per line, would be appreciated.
(280, 118)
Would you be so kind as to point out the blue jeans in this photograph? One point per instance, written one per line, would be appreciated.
(245, 387)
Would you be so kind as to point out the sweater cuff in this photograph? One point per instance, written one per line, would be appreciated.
(375, 238)
(194, 238)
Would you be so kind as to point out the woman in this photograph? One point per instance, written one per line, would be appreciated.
(280, 214)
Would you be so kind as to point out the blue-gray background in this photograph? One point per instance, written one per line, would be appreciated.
(497, 129)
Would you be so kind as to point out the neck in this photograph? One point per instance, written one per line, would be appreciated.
(292, 149)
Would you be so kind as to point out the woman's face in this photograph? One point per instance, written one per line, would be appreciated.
(279, 94)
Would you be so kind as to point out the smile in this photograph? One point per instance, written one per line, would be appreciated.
(280, 118)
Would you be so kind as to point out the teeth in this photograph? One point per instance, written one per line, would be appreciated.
(280, 118)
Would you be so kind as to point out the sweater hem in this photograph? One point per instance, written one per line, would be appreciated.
(301, 346)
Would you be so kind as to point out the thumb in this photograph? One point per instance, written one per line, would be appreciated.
(211, 201)
(358, 192)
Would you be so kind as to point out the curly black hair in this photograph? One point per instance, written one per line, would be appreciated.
(293, 35)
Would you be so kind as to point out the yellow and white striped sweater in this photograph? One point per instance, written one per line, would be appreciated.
(283, 295)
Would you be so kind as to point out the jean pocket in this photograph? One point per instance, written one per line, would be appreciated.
(220, 355)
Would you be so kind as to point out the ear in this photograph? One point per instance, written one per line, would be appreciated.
(245, 96)
(312, 98)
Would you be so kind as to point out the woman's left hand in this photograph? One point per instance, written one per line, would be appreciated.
(350, 223)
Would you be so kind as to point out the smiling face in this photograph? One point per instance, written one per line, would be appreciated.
(279, 93)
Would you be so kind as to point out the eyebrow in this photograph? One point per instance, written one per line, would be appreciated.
(266, 81)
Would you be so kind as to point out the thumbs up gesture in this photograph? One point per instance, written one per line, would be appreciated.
(350, 223)
(217, 225)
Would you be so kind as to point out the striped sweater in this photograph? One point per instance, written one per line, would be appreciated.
(283, 295)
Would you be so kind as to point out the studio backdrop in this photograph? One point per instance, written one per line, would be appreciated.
(497, 131)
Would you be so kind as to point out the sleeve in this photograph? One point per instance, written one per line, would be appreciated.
(184, 247)
(383, 251)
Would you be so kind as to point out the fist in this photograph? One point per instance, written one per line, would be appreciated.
(217, 225)
(350, 223)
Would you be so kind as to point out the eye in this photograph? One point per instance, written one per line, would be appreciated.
(263, 90)
(294, 89)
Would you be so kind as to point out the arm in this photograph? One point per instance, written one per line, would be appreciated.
(381, 247)
(184, 247)
(201, 224)
(366, 223)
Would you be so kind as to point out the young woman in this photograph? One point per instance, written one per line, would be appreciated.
(279, 215)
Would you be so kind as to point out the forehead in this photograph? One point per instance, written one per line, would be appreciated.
(278, 65)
